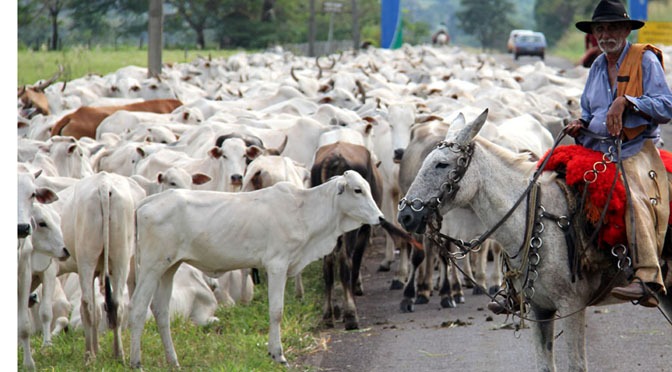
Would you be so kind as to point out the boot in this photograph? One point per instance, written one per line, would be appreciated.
(638, 292)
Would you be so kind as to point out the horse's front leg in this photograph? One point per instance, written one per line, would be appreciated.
(574, 327)
(543, 338)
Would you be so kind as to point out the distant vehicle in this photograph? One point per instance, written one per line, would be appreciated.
(512, 37)
(530, 45)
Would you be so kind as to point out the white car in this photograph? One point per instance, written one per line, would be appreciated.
(512, 38)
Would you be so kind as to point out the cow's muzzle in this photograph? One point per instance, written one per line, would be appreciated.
(65, 255)
(24, 230)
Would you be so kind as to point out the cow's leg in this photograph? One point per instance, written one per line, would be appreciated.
(161, 310)
(544, 339)
(446, 290)
(88, 310)
(328, 317)
(48, 278)
(389, 209)
(346, 272)
(496, 273)
(401, 276)
(24, 277)
(425, 273)
(576, 341)
(277, 277)
(146, 285)
(298, 286)
(357, 256)
(481, 262)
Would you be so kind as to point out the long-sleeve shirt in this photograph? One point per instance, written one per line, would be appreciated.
(656, 102)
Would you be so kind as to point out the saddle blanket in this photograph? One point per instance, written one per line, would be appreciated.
(574, 161)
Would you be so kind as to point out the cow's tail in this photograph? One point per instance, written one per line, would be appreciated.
(110, 305)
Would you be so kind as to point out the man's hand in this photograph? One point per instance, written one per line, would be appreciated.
(615, 116)
(573, 128)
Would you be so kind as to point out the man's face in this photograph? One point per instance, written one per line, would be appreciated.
(611, 36)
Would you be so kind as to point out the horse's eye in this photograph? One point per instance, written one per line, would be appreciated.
(442, 165)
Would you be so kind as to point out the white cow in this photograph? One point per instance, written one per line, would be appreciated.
(226, 164)
(172, 178)
(281, 229)
(98, 227)
(28, 194)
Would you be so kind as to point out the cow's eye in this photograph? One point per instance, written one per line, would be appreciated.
(173, 184)
(442, 165)
(42, 224)
(358, 191)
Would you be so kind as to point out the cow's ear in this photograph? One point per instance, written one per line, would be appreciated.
(72, 148)
(253, 151)
(200, 178)
(45, 195)
(369, 129)
(159, 177)
(140, 151)
(341, 187)
(215, 152)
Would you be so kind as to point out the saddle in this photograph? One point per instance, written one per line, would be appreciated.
(590, 184)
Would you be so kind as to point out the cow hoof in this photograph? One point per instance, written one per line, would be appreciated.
(350, 325)
(478, 291)
(407, 305)
(421, 300)
(337, 312)
(494, 289)
(459, 299)
(384, 267)
(448, 303)
(358, 291)
(396, 285)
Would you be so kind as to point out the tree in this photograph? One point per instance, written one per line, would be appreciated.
(553, 17)
(198, 14)
(487, 20)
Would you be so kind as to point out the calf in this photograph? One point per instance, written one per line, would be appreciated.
(85, 120)
(97, 221)
(333, 160)
(281, 229)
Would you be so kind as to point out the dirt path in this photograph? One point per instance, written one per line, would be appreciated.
(619, 337)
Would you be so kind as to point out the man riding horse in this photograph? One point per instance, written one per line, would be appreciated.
(625, 98)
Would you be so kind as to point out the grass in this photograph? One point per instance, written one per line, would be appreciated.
(237, 343)
(78, 62)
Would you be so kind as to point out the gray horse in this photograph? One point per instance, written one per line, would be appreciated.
(466, 170)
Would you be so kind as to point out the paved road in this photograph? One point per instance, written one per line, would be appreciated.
(619, 337)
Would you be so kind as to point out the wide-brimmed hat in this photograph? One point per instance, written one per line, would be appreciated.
(609, 11)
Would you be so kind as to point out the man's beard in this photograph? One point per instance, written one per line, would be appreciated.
(610, 45)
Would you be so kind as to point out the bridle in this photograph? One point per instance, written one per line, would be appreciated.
(448, 189)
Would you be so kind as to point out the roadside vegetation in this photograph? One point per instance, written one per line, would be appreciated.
(237, 343)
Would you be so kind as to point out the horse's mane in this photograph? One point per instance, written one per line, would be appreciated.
(519, 161)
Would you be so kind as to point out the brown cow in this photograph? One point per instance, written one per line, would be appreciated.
(33, 97)
(333, 160)
(84, 121)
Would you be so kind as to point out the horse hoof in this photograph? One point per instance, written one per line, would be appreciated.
(477, 291)
(421, 300)
(407, 305)
(448, 303)
(396, 285)
(494, 289)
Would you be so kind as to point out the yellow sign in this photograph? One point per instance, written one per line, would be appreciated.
(656, 33)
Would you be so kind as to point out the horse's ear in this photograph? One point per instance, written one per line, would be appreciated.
(455, 128)
(467, 134)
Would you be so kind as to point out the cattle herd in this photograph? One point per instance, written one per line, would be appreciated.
(155, 196)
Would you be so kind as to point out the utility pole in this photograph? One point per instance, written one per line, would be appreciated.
(331, 8)
(311, 29)
(155, 37)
